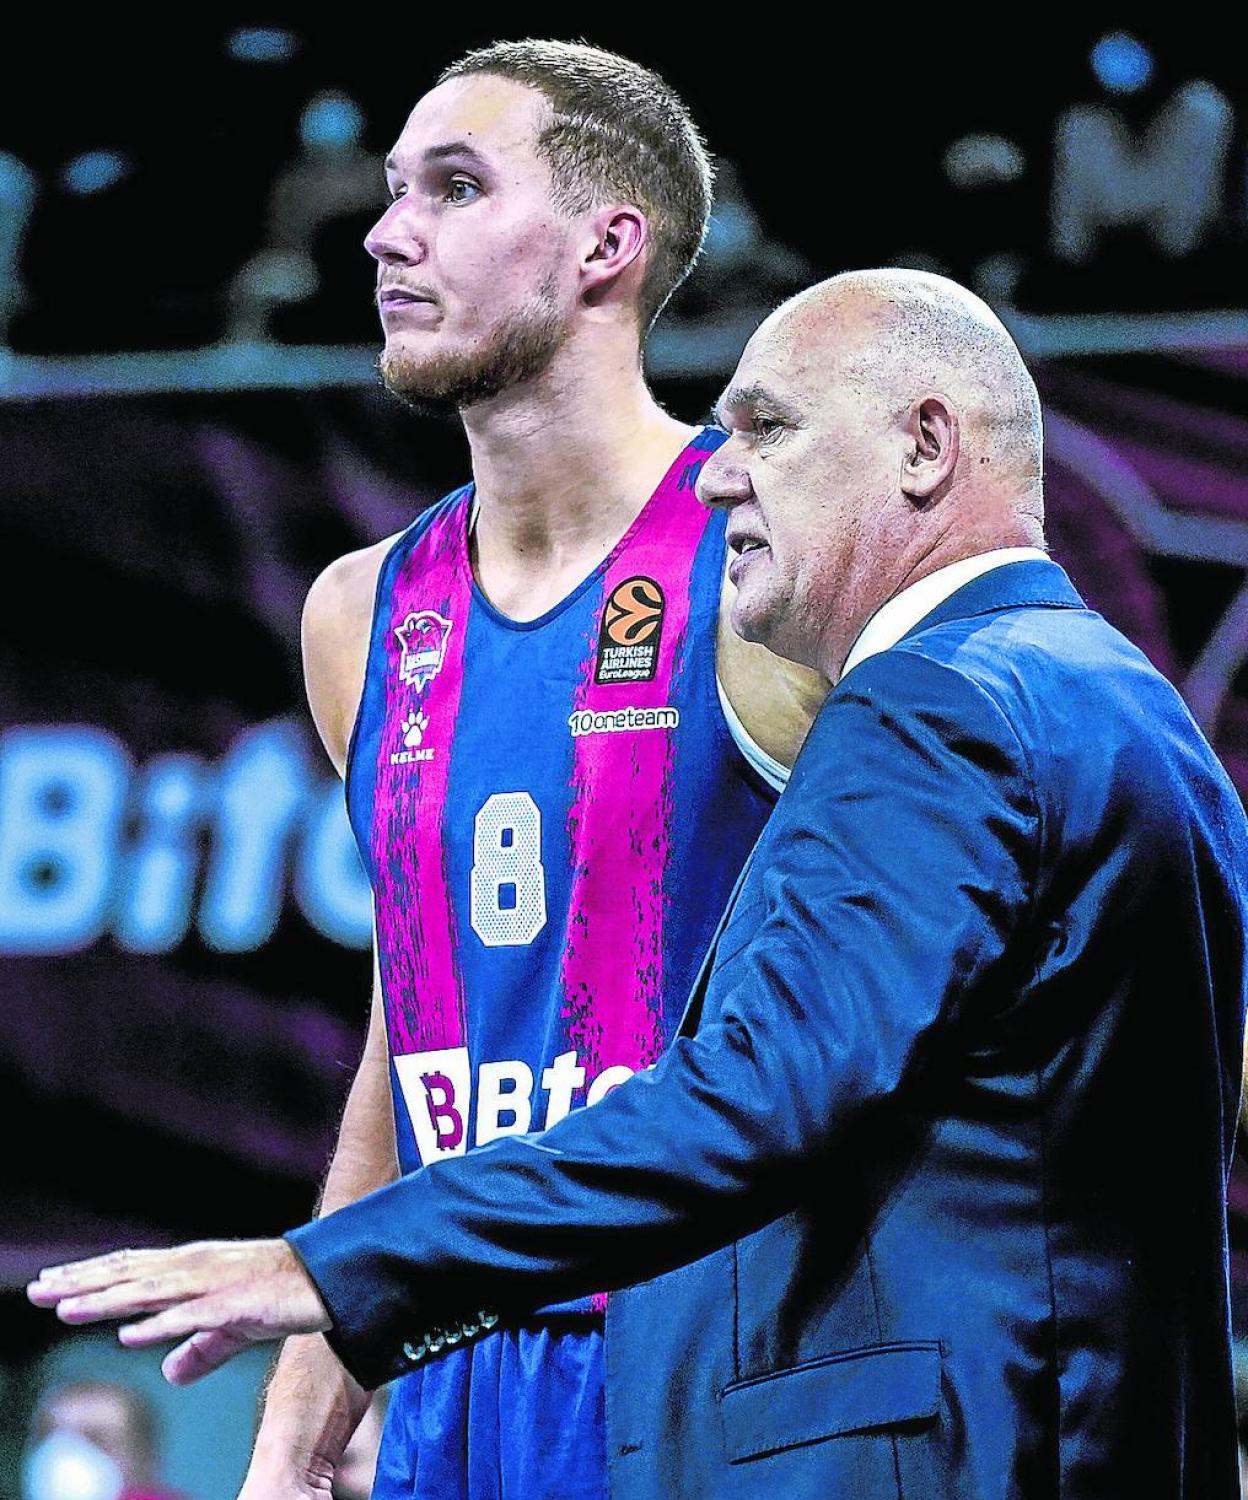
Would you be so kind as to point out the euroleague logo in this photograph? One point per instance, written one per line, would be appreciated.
(632, 626)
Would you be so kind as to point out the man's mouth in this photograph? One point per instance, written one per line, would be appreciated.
(741, 548)
(390, 295)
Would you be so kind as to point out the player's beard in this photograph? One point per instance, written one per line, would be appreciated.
(519, 347)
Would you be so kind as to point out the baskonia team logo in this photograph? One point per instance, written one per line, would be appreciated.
(632, 626)
(422, 637)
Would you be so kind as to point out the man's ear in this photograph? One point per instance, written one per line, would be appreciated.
(932, 453)
(616, 237)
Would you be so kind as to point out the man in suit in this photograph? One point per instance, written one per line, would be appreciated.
(927, 1198)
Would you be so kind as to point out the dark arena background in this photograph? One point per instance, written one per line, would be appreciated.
(192, 427)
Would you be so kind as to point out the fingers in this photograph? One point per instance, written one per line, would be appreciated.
(130, 1281)
(149, 1295)
(201, 1355)
(117, 1285)
(55, 1283)
(202, 1314)
(224, 1293)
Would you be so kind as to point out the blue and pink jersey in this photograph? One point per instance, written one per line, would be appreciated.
(552, 814)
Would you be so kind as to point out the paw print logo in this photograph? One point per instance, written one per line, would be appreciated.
(414, 727)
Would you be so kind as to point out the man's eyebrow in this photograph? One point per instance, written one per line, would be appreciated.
(457, 150)
(751, 399)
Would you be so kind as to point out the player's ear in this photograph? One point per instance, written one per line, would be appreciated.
(612, 249)
(934, 440)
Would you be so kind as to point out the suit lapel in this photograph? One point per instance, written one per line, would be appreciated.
(1012, 586)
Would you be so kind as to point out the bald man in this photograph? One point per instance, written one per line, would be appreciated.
(890, 1216)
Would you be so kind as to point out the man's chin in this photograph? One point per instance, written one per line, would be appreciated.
(517, 349)
(419, 382)
(750, 621)
(772, 626)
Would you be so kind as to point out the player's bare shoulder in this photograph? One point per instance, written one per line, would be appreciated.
(337, 621)
(775, 700)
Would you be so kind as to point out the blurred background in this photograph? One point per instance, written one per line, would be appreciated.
(191, 427)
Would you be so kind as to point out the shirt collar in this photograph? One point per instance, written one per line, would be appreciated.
(898, 615)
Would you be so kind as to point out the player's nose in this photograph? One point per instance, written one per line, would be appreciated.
(395, 240)
(723, 478)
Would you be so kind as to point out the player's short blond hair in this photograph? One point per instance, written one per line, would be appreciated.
(619, 132)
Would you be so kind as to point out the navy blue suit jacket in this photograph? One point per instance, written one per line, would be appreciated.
(926, 1199)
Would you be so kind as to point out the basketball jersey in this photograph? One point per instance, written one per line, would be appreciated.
(552, 813)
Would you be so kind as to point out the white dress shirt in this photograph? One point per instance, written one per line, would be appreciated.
(903, 611)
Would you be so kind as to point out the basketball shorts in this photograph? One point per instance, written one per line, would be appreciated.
(515, 1416)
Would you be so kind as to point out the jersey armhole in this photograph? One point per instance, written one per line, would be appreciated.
(773, 773)
(368, 664)
(404, 540)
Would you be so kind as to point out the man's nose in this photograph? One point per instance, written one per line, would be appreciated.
(723, 478)
(395, 239)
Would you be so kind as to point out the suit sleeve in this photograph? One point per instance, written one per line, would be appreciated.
(893, 890)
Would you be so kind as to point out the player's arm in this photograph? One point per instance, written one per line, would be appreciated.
(312, 1405)
(775, 700)
(337, 619)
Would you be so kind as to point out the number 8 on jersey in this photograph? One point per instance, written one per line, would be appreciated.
(508, 897)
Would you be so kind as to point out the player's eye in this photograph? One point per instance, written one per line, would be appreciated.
(461, 190)
(767, 428)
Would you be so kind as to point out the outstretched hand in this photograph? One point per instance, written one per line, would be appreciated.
(226, 1294)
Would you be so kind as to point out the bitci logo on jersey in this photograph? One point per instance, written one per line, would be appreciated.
(444, 1107)
(422, 639)
(632, 626)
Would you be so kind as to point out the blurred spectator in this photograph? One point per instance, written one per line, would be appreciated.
(740, 266)
(93, 1440)
(18, 190)
(332, 177)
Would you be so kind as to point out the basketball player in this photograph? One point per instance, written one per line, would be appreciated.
(552, 792)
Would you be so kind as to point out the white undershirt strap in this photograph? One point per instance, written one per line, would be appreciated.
(772, 772)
